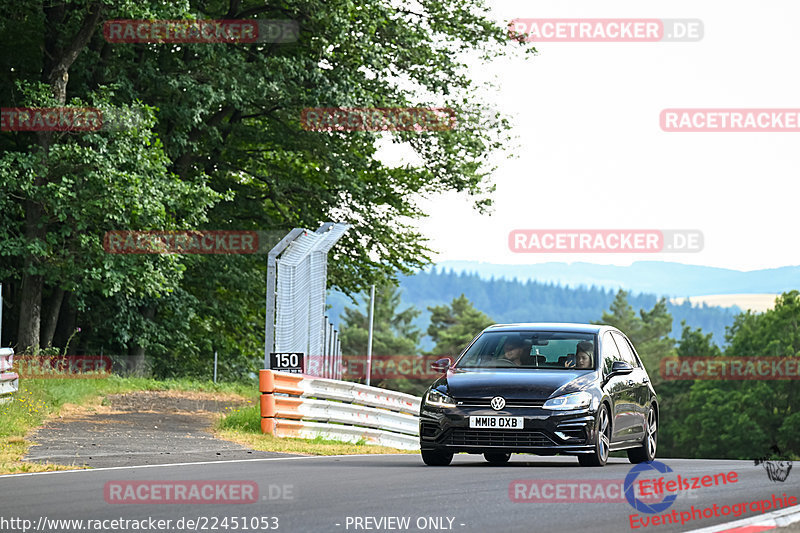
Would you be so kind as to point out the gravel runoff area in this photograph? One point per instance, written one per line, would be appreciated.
(139, 428)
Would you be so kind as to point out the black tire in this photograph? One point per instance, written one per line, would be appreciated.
(497, 458)
(434, 458)
(647, 452)
(602, 439)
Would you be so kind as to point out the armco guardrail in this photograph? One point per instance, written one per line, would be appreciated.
(9, 381)
(296, 405)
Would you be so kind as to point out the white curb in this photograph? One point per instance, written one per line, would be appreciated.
(779, 518)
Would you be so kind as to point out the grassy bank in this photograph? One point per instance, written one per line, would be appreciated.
(38, 399)
(243, 426)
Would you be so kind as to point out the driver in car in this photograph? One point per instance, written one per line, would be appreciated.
(514, 350)
(583, 356)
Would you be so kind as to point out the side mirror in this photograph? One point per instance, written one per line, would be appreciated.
(441, 365)
(620, 368)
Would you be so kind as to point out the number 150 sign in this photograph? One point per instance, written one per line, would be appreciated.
(286, 362)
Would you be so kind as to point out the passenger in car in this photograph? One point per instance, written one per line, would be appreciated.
(583, 356)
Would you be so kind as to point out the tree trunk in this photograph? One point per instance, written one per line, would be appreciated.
(59, 53)
(30, 310)
(137, 364)
(51, 313)
(67, 319)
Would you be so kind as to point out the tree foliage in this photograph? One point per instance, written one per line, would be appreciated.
(454, 326)
(741, 419)
(649, 331)
(221, 146)
(393, 330)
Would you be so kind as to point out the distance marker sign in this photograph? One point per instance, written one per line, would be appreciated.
(286, 362)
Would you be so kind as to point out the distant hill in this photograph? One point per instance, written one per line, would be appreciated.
(655, 277)
(533, 301)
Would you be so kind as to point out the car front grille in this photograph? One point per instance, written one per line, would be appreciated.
(487, 402)
(509, 438)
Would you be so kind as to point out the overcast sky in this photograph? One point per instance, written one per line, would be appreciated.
(592, 154)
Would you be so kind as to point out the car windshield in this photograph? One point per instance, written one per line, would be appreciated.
(551, 350)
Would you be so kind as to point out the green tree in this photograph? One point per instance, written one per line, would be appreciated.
(622, 316)
(226, 151)
(746, 419)
(393, 330)
(454, 326)
(675, 438)
(695, 343)
(649, 332)
(393, 334)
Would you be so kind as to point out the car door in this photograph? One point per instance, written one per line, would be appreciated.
(636, 383)
(617, 388)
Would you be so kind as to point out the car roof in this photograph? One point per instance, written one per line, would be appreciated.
(552, 326)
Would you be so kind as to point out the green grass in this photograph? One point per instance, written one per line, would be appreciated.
(247, 419)
(244, 427)
(38, 399)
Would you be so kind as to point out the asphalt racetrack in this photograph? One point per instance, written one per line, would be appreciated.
(369, 493)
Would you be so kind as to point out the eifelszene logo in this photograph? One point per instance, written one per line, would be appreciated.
(638, 504)
(777, 469)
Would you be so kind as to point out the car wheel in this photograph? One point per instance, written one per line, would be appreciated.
(647, 452)
(497, 458)
(602, 439)
(434, 458)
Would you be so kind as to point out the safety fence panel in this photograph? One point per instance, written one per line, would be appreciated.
(9, 381)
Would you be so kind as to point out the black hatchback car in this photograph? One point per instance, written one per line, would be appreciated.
(542, 389)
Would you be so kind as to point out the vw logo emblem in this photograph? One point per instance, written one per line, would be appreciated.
(498, 402)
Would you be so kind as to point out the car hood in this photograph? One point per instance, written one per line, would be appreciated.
(517, 384)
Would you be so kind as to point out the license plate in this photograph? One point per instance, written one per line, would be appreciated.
(496, 422)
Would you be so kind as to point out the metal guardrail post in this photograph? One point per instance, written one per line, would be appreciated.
(9, 381)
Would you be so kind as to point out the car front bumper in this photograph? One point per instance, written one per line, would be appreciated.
(545, 432)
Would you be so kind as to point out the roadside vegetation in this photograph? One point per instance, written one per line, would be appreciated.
(39, 399)
(243, 426)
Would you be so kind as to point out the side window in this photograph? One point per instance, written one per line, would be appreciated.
(610, 353)
(625, 350)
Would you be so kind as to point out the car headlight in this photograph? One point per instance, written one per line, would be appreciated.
(438, 399)
(576, 400)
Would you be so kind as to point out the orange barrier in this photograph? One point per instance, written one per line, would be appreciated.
(285, 407)
(270, 381)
